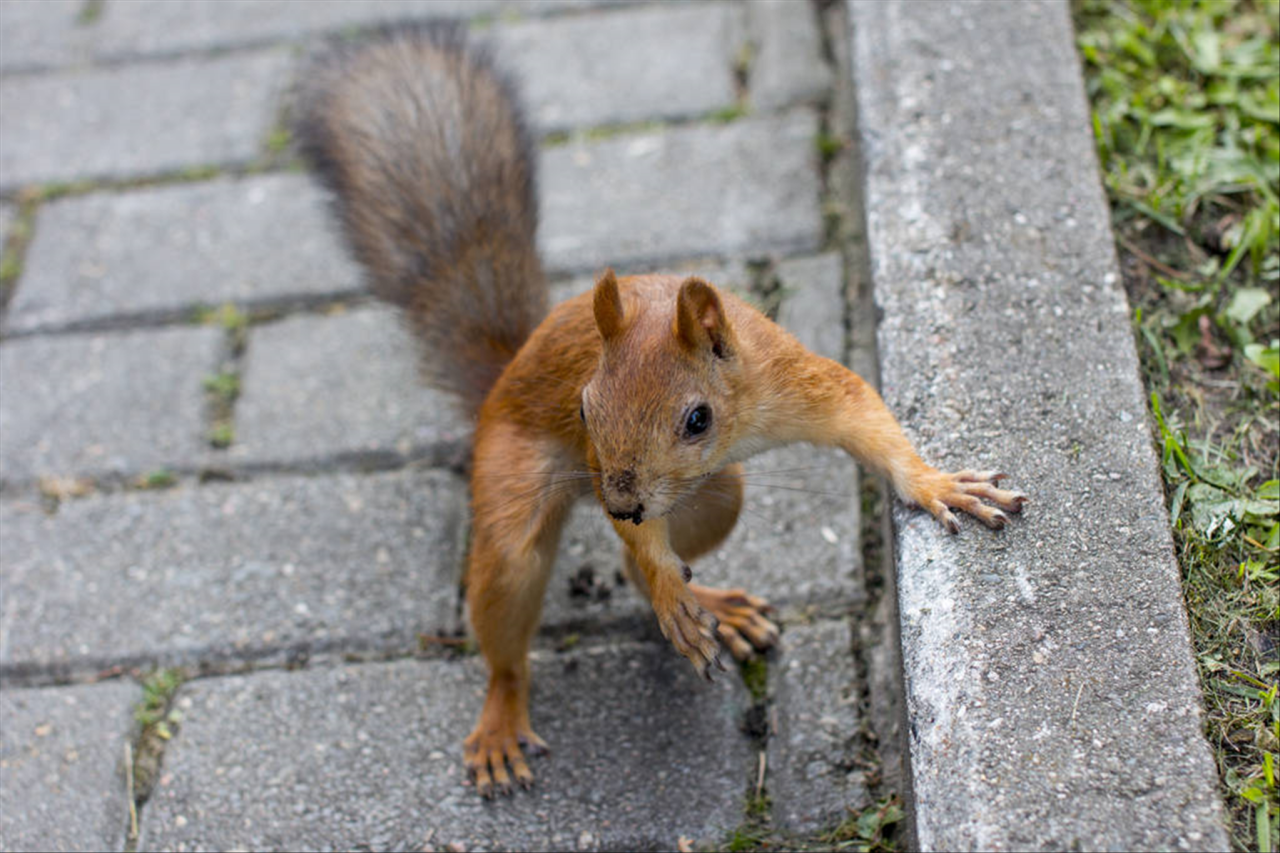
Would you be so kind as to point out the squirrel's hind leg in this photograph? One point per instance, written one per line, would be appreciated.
(705, 519)
(515, 530)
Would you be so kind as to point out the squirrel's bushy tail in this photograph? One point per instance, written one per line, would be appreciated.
(433, 173)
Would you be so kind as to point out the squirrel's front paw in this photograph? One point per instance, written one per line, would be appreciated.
(692, 630)
(965, 491)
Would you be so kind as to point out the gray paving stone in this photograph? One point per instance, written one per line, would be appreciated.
(787, 66)
(750, 186)
(168, 248)
(232, 571)
(643, 752)
(731, 275)
(813, 782)
(1047, 664)
(41, 33)
(134, 120)
(678, 63)
(104, 404)
(141, 27)
(323, 386)
(812, 306)
(8, 213)
(61, 754)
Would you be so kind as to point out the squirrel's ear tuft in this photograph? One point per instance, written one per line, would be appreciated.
(700, 319)
(607, 303)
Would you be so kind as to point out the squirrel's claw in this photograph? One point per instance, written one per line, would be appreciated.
(488, 754)
(692, 630)
(940, 492)
(742, 627)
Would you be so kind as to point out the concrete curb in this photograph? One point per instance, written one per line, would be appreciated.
(1052, 698)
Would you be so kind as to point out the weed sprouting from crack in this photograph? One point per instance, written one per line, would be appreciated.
(158, 720)
(873, 830)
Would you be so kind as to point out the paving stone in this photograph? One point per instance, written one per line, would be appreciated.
(41, 33)
(166, 249)
(61, 754)
(750, 186)
(232, 571)
(731, 275)
(8, 214)
(787, 66)
(316, 387)
(1045, 664)
(164, 27)
(678, 63)
(812, 306)
(104, 404)
(812, 781)
(370, 756)
(131, 120)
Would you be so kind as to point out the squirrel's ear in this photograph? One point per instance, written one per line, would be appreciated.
(607, 303)
(700, 318)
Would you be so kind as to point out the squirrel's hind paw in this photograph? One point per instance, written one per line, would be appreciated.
(487, 754)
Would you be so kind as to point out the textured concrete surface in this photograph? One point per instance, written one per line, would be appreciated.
(750, 186)
(204, 243)
(138, 120)
(8, 213)
(814, 752)
(35, 33)
(119, 403)
(227, 571)
(786, 64)
(1051, 692)
(149, 27)
(61, 766)
(643, 752)
(678, 63)
(317, 387)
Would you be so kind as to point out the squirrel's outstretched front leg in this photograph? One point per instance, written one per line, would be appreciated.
(838, 408)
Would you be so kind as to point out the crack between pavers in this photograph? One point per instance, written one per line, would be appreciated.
(258, 311)
(452, 456)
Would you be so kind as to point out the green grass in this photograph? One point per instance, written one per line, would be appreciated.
(1186, 114)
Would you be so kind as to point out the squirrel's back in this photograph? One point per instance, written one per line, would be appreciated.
(433, 172)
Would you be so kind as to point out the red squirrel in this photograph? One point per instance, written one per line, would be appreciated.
(648, 392)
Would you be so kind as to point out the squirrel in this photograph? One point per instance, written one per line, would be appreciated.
(647, 392)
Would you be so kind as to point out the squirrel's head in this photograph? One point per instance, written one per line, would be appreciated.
(659, 409)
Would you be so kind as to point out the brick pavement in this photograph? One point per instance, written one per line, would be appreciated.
(294, 596)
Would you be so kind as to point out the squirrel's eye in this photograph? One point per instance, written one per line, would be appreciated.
(582, 412)
(698, 421)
